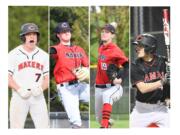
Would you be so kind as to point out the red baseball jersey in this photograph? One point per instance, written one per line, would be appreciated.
(67, 59)
(108, 54)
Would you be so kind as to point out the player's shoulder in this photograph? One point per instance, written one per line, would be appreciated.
(15, 50)
(138, 61)
(78, 47)
(137, 66)
(116, 47)
(113, 45)
(42, 52)
(55, 46)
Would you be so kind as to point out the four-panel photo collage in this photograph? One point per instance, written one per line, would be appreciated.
(88, 67)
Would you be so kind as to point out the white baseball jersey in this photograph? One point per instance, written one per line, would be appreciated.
(27, 68)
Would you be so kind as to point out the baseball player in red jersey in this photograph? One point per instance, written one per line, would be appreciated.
(151, 79)
(108, 91)
(28, 77)
(70, 71)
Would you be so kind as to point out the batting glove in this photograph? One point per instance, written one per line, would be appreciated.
(166, 79)
(36, 91)
(24, 93)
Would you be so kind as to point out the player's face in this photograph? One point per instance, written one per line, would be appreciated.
(31, 40)
(64, 36)
(140, 51)
(106, 35)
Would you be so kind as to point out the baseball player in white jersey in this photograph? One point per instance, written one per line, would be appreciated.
(28, 78)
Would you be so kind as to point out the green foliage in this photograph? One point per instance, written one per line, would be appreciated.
(108, 15)
(18, 15)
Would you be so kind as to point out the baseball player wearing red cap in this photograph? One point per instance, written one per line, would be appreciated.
(108, 89)
(70, 72)
(151, 79)
(28, 78)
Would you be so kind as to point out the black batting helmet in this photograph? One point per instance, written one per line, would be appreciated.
(148, 41)
(28, 28)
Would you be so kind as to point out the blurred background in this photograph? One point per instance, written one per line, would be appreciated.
(78, 19)
(18, 15)
(147, 20)
(99, 16)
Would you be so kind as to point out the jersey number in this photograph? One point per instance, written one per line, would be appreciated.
(38, 76)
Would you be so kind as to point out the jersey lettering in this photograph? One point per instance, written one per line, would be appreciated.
(153, 76)
(30, 64)
(74, 55)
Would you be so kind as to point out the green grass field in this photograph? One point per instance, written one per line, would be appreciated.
(120, 121)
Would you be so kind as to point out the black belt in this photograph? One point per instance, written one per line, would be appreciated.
(70, 83)
(152, 102)
(104, 85)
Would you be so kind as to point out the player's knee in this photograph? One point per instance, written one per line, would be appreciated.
(107, 98)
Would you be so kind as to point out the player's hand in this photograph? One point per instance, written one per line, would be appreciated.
(24, 93)
(82, 73)
(117, 81)
(168, 103)
(165, 79)
(36, 91)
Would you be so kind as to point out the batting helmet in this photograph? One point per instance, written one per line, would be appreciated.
(62, 27)
(110, 28)
(148, 41)
(28, 28)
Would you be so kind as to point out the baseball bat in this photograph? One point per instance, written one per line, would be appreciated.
(166, 31)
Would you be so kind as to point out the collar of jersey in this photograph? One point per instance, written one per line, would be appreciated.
(23, 50)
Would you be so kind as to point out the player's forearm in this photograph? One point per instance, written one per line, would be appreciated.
(12, 84)
(45, 83)
(148, 87)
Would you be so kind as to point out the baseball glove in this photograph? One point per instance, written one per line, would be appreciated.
(113, 72)
(82, 73)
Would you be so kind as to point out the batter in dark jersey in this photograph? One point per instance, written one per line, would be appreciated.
(148, 72)
(149, 77)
